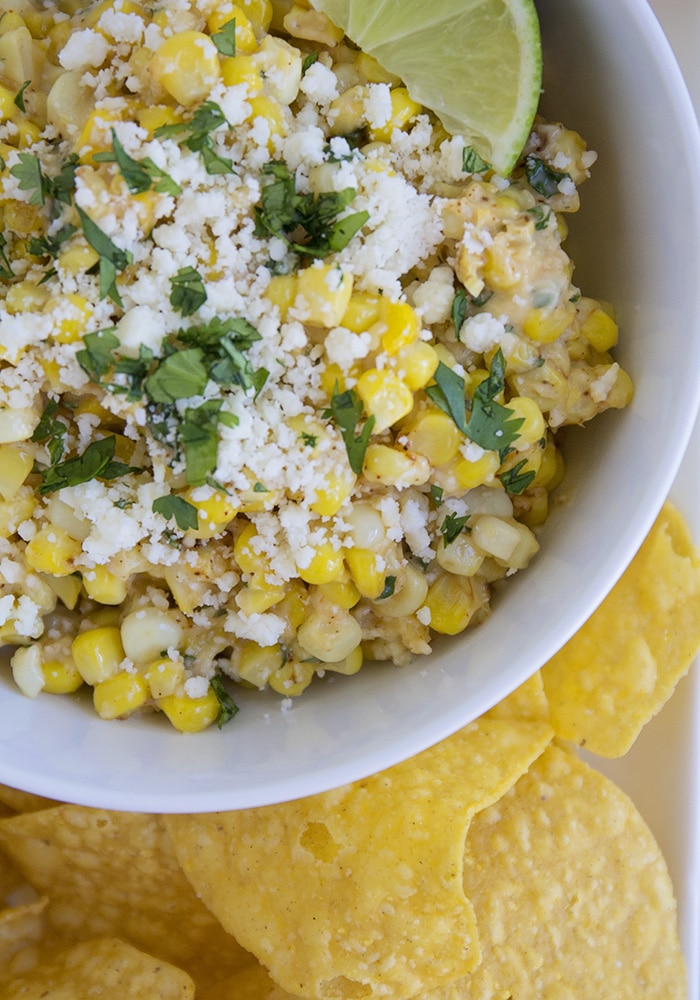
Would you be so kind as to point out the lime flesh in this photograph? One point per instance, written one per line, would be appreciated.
(477, 64)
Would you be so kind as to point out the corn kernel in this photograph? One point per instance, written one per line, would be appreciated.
(600, 330)
(312, 25)
(293, 608)
(501, 267)
(373, 72)
(281, 292)
(403, 110)
(544, 326)
(98, 653)
(417, 364)
(323, 294)
(349, 666)
(256, 664)
(164, 676)
(25, 296)
(16, 462)
(395, 467)
(104, 587)
(326, 565)
(191, 715)
(343, 593)
(72, 312)
(435, 435)
(66, 588)
(52, 550)
(155, 116)
(60, 677)
(292, 678)
(333, 379)
(259, 597)
(248, 559)
(264, 109)
(78, 259)
(259, 13)
(13, 512)
(367, 572)
(385, 396)
(471, 473)
(330, 497)
(533, 425)
(187, 66)
(120, 695)
(363, 310)
(451, 602)
(402, 327)
(241, 69)
(214, 512)
(26, 669)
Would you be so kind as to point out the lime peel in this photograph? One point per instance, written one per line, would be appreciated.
(477, 64)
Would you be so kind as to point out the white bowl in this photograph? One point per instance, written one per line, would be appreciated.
(609, 74)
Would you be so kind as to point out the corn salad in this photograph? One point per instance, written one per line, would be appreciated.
(282, 362)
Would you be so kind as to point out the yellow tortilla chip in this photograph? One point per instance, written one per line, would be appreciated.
(253, 983)
(621, 667)
(20, 802)
(110, 874)
(359, 890)
(572, 895)
(104, 968)
(21, 928)
(528, 703)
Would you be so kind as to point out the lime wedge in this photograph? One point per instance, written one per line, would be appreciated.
(477, 64)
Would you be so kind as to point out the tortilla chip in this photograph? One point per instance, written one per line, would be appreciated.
(253, 983)
(359, 890)
(21, 802)
(110, 874)
(107, 967)
(622, 666)
(572, 895)
(21, 928)
(528, 703)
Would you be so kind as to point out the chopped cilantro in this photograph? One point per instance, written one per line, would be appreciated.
(6, 272)
(51, 431)
(260, 488)
(309, 59)
(453, 526)
(307, 223)
(196, 135)
(436, 493)
(112, 258)
(185, 513)
(50, 246)
(448, 394)
(187, 291)
(472, 163)
(515, 481)
(389, 587)
(29, 174)
(541, 216)
(199, 433)
(225, 38)
(346, 412)
(543, 178)
(19, 96)
(96, 462)
(228, 706)
(310, 440)
(97, 358)
(491, 425)
(178, 376)
(459, 310)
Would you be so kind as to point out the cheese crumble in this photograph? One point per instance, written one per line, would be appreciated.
(280, 385)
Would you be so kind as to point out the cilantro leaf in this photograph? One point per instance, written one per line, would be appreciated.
(515, 481)
(543, 178)
(459, 310)
(309, 59)
(178, 376)
(62, 186)
(389, 587)
(199, 434)
(112, 257)
(195, 135)
(448, 394)
(50, 246)
(6, 271)
(30, 176)
(135, 175)
(436, 493)
(453, 526)
(185, 513)
(19, 96)
(51, 431)
(228, 706)
(491, 425)
(225, 38)
(346, 412)
(95, 462)
(472, 163)
(188, 292)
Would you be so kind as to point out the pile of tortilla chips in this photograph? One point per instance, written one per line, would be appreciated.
(493, 866)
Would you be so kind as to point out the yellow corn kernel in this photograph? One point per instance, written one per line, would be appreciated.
(241, 69)
(435, 435)
(104, 587)
(53, 551)
(154, 116)
(452, 602)
(259, 596)
(78, 259)
(292, 678)
(385, 396)
(537, 511)
(410, 591)
(8, 108)
(363, 310)
(373, 72)
(256, 664)
(330, 497)
(191, 715)
(214, 511)
(66, 588)
(395, 467)
(312, 25)
(293, 608)
(348, 112)
(164, 676)
(27, 133)
(323, 294)
(13, 512)
(281, 292)
(469, 474)
(545, 326)
(259, 13)
(333, 379)
(533, 425)
(96, 134)
(25, 296)
(120, 695)
(501, 267)
(71, 312)
(17, 425)
(350, 665)
(248, 559)
(342, 593)
(325, 566)
(16, 462)
(367, 572)
(10, 20)
(187, 66)
(403, 110)
(402, 327)
(269, 111)
(60, 677)
(98, 653)
(600, 330)
(417, 364)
